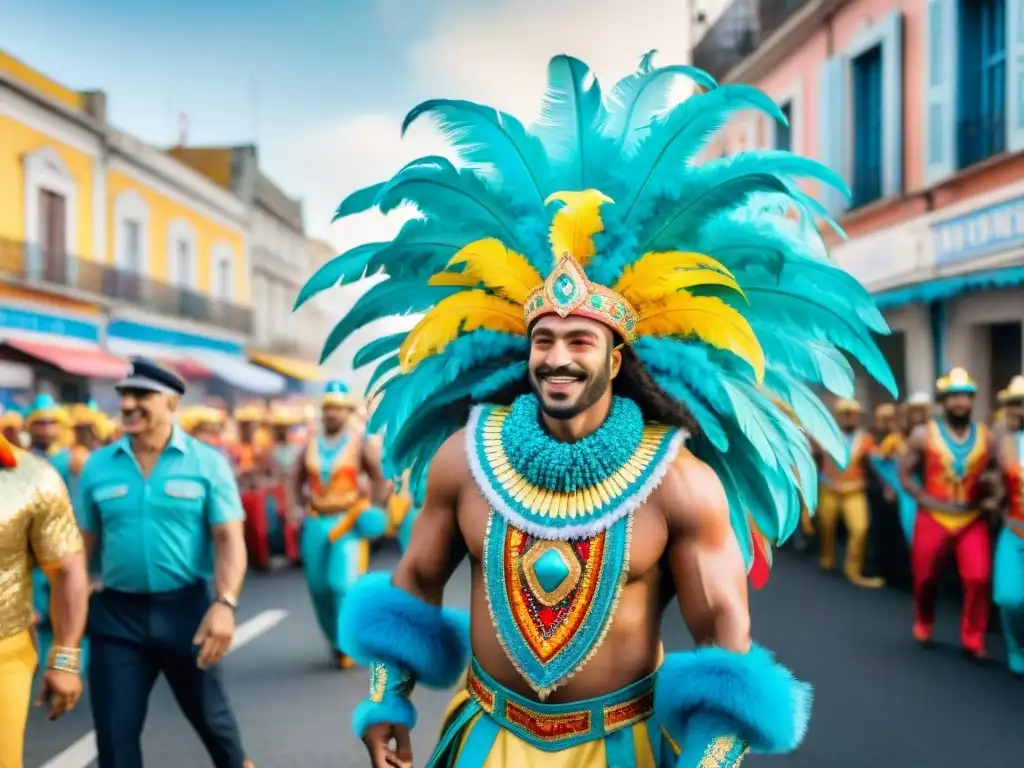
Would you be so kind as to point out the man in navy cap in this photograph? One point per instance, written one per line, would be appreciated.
(153, 502)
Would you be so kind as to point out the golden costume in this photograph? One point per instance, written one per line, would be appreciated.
(37, 525)
(842, 494)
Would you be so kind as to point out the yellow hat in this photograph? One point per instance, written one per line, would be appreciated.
(11, 420)
(253, 412)
(337, 393)
(847, 405)
(84, 414)
(886, 409)
(956, 382)
(45, 408)
(195, 416)
(282, 415)
(1013, 393)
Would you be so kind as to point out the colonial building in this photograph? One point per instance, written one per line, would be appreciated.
(918, 104)
(108, 245)
(279, 258)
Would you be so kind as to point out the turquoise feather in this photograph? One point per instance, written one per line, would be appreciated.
(386, 299)
(639, 150)
(341, 270)
(377, 348)
(491, 142)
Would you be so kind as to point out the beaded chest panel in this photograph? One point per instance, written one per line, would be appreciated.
(552, 601)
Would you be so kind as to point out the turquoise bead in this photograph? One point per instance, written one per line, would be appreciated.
(551, 570)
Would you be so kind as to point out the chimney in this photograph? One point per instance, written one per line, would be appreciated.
(96, 105)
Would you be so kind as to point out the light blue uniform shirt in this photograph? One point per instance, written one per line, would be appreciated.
(153, 533)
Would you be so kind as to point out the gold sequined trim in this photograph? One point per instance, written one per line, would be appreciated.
(582, 502)
(719, 751)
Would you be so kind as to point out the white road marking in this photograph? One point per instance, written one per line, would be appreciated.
(83, 752)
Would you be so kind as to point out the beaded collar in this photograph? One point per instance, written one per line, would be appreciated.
(562, 491)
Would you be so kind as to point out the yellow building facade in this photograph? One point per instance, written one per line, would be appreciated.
(70, 184)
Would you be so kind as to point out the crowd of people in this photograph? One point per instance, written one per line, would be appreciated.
(924, 483)
(128, 541)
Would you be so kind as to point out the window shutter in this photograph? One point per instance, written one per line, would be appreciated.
(834, 129)
(892, 104)
(940, 89)
(1015, 75)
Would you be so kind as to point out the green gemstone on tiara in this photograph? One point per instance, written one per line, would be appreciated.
(564, 289)
(595, 301)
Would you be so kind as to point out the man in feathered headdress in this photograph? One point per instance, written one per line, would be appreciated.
(337, 507)
(843, 495)
(942, 470)
(594, 339)
(44, 422)
(1008, 588)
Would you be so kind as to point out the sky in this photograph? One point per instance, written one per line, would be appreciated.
(321, 87)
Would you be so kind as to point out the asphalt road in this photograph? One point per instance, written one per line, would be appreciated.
(880, 700)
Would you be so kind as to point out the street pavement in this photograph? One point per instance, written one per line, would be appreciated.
(879, 699)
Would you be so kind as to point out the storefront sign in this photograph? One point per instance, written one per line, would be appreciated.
(169, 337)
(18, 319)
(996, 228)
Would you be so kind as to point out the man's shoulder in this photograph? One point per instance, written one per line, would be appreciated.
(208, 458)
(101, 457)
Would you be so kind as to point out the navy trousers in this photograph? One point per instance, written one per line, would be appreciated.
(134, 638)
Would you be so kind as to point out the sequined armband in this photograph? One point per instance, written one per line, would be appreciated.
(65, 659)
(388, 702)
(389, 680)
(724, 752)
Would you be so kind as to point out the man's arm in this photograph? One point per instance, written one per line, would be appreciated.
(436, 546)
(380, 488)
(58, 547)
(704, 557)
(226, 518)
(912, 462)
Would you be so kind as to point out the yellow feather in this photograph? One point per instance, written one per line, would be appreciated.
(653, 265)
(503, 271)
(453, 279)
(574, 226)
(653, 290)
(466, 311)
(709, 319)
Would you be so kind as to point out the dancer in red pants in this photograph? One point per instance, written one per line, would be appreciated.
(942, 471)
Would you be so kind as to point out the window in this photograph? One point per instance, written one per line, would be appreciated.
(131, 254)
(866, 71)
(183, 262)
(981, 123)
(222, 279)
(784, 133)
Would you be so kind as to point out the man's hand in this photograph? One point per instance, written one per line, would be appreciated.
(379, 739)
(889, 495)
(214, 635)
(60, 692)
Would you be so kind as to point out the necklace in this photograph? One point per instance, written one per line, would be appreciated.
(557, 490)
(567, 467)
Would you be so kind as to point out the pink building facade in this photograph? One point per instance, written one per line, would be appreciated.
(920, 105)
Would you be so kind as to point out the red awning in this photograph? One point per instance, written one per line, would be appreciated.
(91, 361)
(187, 368)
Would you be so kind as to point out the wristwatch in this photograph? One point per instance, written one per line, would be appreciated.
(228, 600)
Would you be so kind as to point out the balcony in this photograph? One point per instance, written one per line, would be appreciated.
(32, 265)
(741, 29)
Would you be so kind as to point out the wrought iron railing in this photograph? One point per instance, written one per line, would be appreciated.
(36, 265)
(741, 29)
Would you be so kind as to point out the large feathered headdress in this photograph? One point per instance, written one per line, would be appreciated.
(604, 208)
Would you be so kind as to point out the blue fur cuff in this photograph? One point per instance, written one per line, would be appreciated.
(372, 523)
(746, 696)
(392, 710)
(380, 622)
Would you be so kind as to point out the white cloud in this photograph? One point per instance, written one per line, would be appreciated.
(472, 50)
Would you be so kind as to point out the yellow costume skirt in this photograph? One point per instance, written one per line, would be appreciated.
(489, 726)
(18, 661)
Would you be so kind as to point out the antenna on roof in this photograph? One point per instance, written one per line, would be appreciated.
(182, 128)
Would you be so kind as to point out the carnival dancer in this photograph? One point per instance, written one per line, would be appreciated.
(949, 455)
(252, 442)
(578, 503)
(155, 613)
(37, 526)
(206, 424)
(339, 521)
(44, 421)
(843, 496)
(1008, 587)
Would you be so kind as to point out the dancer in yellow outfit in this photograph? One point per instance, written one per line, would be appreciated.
(37, 525)
(842, 493)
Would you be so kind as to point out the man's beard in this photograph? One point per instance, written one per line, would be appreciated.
(595, 387)
(958, 420)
